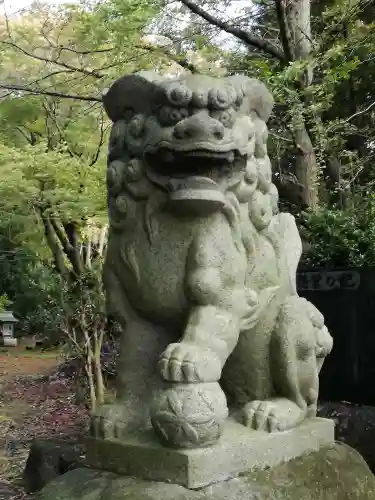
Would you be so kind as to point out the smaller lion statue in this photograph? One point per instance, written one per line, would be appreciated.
(201, 266)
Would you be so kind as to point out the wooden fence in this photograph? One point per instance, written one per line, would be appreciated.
(347, 300)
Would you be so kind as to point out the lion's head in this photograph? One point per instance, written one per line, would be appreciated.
(191, 136)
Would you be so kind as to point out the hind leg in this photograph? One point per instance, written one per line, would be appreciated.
(298, 347)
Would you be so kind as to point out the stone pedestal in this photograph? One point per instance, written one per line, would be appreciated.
(239, 450)
(337, 472)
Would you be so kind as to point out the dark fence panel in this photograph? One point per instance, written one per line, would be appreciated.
(347, 300)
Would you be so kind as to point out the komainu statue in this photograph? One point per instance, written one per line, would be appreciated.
(201, 266)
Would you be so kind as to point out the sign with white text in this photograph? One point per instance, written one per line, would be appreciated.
(328, 280)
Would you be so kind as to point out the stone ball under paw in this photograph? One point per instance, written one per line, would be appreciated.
(189, 415)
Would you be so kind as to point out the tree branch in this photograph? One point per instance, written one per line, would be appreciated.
(101, 140)
(62, 64)
(358, 113)
(29, 139)
(277, 136)
(181, 60)
(54, 246)
(23, 88)
(361, 112)
(62, 48)
(284, 30)
(244, 36)
(70, 249)
(51, 113)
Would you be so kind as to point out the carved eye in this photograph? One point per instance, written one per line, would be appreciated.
(170, 116)
(222, 97)
(226, 117)
(179, 95)
(136, 126)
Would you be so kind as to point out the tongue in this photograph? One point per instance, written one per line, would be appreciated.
(194, 182)
(195, 196)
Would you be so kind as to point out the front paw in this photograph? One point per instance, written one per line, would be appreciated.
(272, 415)
(184, 362)
(108, 422)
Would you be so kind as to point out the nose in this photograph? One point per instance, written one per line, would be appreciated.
(200, 127)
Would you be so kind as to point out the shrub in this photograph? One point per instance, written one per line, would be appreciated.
(340, 238)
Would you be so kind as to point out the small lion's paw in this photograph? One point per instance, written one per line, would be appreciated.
(272, 415)
(260, 415)
(108, 422)
(184, 362)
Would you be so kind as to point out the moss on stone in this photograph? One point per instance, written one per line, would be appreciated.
(337, 473)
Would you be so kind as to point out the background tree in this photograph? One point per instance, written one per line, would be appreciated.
(316, 57)
(52, 202)
(300, 50)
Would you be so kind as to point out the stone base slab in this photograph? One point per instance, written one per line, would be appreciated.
(239, 450)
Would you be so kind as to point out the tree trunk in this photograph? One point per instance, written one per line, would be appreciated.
(91, 381)
(306, 168)
(294, 20)
(98, 343)
(298, 31)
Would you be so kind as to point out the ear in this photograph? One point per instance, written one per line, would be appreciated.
(259, 98)
(135, 92)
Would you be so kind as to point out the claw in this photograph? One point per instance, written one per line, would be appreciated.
(261, 416)
(188, 371)
(175, 369)
(119, 430)
(249, 417)
(108, 422)
(272, 415)
(107, 428)
(273, 425)
(189, 363)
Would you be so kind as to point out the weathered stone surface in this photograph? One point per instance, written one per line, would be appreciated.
(338, 473)
(239, 450)
(200, 266)
(48, 459)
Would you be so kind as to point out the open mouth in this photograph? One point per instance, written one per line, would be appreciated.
(179, 164)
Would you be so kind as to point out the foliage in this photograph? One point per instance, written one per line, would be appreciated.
(55, 63)
(53, 217)
(340, 238)
(320, 133)
(33, 292)
(4, 302)
(38, 178)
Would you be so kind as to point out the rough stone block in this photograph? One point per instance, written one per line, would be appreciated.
(48, 459)
(239, 450)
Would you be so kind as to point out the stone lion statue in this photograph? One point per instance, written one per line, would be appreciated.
(201, 267)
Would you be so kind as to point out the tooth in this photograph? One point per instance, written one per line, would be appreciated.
(231, 157)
